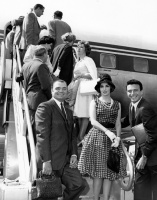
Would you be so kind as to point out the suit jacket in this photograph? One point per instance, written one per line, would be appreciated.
(56, 29)
(18, 31)
(146, 115)
(56, 136)
(37, 83)
(62, 57)
(30, 31)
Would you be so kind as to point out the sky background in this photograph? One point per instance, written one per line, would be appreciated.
(122, 22)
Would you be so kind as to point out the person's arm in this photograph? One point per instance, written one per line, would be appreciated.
(125, 121)
(118, 128)
(43, 119)
(48, 63)
(74, 153)
(30, 28)
(149, 120)
(29, 54)
(67, 52)
(44, 79)
(96, 124)
(51, 29)
(90, 64)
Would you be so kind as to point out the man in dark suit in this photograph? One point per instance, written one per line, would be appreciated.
(62, 58)
(31, 28)
(140, 111)
(57, 28)
(56, 141)
(37, 80)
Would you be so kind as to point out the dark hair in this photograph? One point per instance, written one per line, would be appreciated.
(87, 46)
(38, 6)
(106, 78)
(58, 14)
(136, 82)
(58, 80)
(46, 40)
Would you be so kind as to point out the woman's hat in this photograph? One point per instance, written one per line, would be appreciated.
(106, 78)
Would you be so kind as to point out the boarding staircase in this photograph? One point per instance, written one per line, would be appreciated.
(19, 168)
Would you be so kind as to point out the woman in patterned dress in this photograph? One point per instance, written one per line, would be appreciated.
(105, 115)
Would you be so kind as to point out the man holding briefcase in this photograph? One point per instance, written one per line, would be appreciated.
(140, 111)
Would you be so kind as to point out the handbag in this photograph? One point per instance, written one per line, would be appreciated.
(140, 134)
(48, 186)
(87, 87)
(113, 160)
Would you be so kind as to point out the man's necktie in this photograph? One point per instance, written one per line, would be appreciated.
(63, 111)
(133, 116)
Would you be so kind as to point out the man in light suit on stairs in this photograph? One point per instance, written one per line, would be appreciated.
(30, 29)
(57, 28)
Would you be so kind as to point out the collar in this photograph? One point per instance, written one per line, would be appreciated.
(35, 58)
(34, 13)
(58, 102)
(135, 104)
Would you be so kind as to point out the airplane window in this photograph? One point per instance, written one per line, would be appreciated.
(141, 65)
(107, 60)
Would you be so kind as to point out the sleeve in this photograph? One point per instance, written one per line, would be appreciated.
(149, 120)
(91, 67)
(30, 28)
(44, 79)
(65, 53)
(43, 131)
(74, 137)
(125, 121)
(51, 29)
(48, 63)
(29, 54)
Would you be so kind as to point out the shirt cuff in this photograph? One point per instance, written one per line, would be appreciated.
(47, 161)
(74, 155)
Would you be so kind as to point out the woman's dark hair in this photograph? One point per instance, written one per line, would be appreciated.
(46, 40)
(135, 82)
(87, 46)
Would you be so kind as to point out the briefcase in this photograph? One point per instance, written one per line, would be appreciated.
(48, 186)
(140, 134)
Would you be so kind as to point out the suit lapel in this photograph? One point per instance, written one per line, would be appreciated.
(130, 113)
(57, 107)
(59, 110)
(138, 107)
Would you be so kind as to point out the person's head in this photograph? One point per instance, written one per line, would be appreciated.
(83, 48)
(58, 15)
(46, 41)
(68, 38)
(41, 52)
(105, 85)
(38, 9)
(59, 90)
(134, 90)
